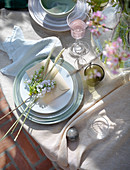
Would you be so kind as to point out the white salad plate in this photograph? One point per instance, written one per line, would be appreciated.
(48, 22)
(56, 104)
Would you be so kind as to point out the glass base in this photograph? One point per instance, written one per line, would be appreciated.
(79, 49)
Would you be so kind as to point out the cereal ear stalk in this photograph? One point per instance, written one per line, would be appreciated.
(56, 59)
(47, 63)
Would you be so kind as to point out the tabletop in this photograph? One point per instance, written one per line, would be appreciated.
(111, 99)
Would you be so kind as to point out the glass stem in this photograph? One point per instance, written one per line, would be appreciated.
(77, 43)
(78, 47)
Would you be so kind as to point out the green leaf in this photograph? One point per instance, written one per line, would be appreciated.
(121, 64)
(105, 61)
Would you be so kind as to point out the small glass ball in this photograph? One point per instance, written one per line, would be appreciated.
(72, 134)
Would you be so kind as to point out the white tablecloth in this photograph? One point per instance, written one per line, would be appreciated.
(111, 99)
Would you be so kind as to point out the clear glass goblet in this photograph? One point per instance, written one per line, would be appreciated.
(98, 127)
(78, 28)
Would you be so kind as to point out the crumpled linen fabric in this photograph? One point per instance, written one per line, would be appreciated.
(109, 153)
(22, 51)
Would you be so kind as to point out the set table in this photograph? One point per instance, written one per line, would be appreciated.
(110, 99)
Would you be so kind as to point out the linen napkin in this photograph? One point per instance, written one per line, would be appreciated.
(61, 85)
(21, 51)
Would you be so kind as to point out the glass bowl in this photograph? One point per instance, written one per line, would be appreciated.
(94, 74)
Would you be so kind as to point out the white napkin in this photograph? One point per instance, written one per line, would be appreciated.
(22, 51)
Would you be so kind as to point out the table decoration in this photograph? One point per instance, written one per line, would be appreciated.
(98, 24)
(51, 73)
(72, 134)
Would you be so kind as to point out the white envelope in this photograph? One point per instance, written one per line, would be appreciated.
(60, 88)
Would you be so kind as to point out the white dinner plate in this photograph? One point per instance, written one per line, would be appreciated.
(57, 104)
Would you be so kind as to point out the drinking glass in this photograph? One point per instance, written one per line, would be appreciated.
(98, 127)
(77, 20)
(78, 27)
(94, 74)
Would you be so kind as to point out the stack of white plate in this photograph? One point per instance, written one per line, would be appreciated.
(49, 22)
(58, 110)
